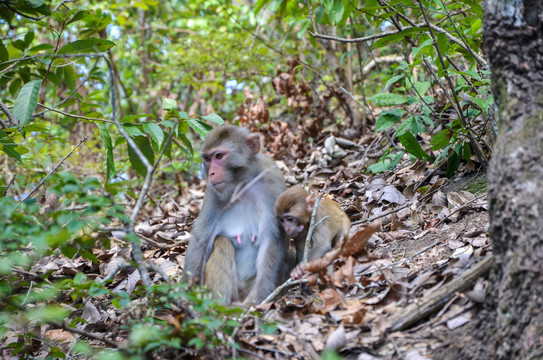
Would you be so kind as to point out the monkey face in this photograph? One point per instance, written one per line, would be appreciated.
(292, 226)
(215, 162)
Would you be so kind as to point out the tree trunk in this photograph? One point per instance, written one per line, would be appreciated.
(510, 326)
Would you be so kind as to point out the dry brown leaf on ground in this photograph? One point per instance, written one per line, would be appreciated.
(330, 299)
(320, 264)
(358, 242)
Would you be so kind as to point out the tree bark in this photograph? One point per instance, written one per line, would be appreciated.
(510, 325)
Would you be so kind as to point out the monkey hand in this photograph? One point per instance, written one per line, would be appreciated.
(297, 273)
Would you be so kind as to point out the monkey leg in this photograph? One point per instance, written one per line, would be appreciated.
(220, 271)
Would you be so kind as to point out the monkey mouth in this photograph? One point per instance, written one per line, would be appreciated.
(218, 185)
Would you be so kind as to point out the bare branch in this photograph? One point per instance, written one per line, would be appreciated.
(312, 225)
(11, 119)
(51, 172)
(87, 334)
(74, 115)
(282, 289)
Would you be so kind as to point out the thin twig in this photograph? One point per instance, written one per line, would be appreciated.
(11, 119)
(378, 216)
(87, 334)
(9, 185)
(460, 208)
(74, 115)
(277, 293)
(112, 274)
(312, 225)
(371, 271)
(51, 172)
(154, 267)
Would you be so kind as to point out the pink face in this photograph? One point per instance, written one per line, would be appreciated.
(215, 162)
(290, 223)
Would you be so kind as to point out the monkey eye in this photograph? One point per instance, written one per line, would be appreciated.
(207, 158)
(219, 156)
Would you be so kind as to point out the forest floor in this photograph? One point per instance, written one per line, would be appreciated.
(418, 279)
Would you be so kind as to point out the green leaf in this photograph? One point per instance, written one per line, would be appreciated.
(168, 104)
(274, 5)
(483, 104)
(29, 36)
(388, 118)
(200, 127)
(213, 118)
(106, 140)
(440, 140)
(137, 116)
(335, 10)
(413, 147)
(41, 47)
(8, 146)
(477, 8)
(422, 48)
(392, 80)
(44, 10)
(411, 124)
(398, 36)
(145, 147)
(304, 25)
(69, 77)
(388, 99)
(468, 73)
(467, 151)
(452, 164)
(49, 313)
(34, 3)
(86, 46)
(442, 43)
(4, 56)
(157, 135)
(57, 353)
(422, 87)
(80, 15)
(458, 149)
(386, 162)
(188, 144)
(259, 5)
(443, 154)
(26, 102)
(132, 130)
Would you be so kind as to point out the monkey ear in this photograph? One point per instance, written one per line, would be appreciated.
(253, 143)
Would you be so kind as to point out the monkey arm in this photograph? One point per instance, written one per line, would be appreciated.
(194, 260)
(200, 245)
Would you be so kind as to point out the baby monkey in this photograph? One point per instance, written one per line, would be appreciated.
(294, 208)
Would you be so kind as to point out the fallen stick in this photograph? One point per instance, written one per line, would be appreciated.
(419, 310)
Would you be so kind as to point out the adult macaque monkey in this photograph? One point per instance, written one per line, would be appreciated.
(294, 208)
(238, 247)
